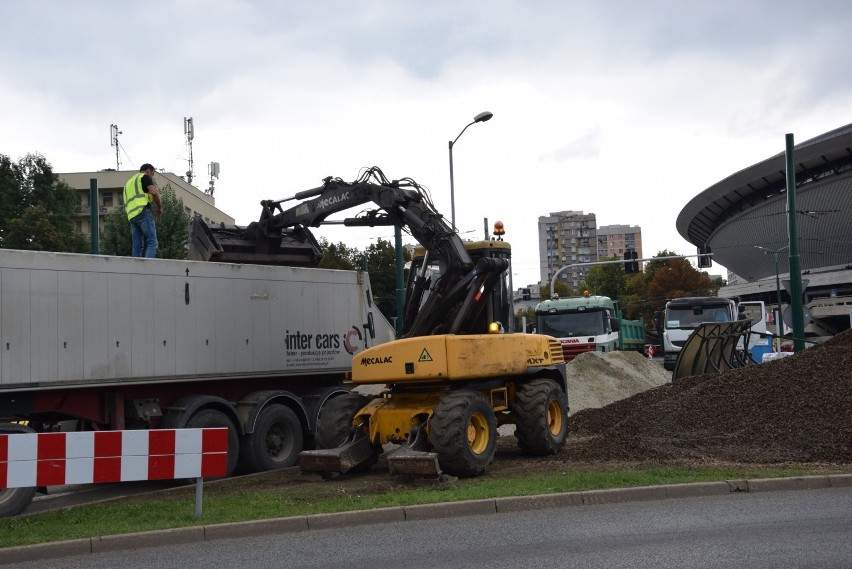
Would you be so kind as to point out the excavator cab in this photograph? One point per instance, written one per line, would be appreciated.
(498, 306)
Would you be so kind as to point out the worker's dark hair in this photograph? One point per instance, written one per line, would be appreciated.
(146, 166)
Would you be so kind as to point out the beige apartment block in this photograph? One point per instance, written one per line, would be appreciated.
(615, 240)
(110, 185)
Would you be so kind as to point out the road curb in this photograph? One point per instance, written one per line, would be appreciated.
(419, 512)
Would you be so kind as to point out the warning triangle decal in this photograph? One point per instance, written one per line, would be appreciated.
(424, 356)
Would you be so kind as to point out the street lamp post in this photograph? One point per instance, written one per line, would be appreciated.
(481, 117)
(779, 329)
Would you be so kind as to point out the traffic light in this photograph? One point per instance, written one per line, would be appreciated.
(632, 266)
(704, 262)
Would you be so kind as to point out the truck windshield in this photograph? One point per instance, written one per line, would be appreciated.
(588, 323)
(690, 318)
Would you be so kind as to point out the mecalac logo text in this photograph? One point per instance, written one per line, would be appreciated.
(374, 361)
(324, 203)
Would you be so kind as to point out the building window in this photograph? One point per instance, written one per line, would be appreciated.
(107, 199)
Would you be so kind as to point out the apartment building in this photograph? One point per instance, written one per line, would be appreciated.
(566, 238)
(110, 186)
(614, 240)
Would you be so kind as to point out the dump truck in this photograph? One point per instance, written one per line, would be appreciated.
(589, 323)
(91, 342)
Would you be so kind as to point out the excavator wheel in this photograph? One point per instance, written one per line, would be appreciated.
(335, 423)
(463, 431)
(541, 417)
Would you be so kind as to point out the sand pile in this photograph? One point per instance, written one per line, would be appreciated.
(596, 379)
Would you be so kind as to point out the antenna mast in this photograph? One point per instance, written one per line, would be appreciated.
(213, 170)
(189, 131)
(113, 141)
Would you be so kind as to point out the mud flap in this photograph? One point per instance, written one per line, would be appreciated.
(414, 458)
(356, 450)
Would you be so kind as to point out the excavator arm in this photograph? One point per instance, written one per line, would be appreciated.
(283, 236)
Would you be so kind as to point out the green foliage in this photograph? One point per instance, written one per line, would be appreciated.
(337, 256)
(116, 239)
(529, 313)
(380, 258)
(661, 281)
(173, 226)
(36, 209)
(172, 229)
(607, 280)
(562, 289)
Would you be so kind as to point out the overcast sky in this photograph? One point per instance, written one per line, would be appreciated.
(625, 109)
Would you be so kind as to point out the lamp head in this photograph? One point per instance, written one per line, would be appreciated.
(483, 116)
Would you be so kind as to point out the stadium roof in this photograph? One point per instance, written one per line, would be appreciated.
(749, 209)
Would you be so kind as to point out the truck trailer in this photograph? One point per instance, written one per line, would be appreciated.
(91, 342)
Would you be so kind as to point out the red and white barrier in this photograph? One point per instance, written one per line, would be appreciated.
(47, 459)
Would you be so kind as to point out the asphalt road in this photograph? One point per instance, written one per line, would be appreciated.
(807, 528)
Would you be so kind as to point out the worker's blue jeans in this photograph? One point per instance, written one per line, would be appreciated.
(143, 228)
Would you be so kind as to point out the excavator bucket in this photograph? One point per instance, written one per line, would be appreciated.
(356, 450)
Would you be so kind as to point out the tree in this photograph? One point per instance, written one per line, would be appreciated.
(661, 281)
(337, 255)
(381, 265)
(529, 314)
(36, 209)
(116, 239)
(172, 229)
(562, 289)
(607, 280)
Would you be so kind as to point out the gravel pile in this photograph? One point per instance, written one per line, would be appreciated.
(798, 409)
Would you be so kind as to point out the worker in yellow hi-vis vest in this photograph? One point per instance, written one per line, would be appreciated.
(139, 193)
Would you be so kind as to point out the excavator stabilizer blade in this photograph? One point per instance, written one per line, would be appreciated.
(408, 462)
(341, 459)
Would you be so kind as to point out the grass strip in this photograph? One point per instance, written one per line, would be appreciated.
(222, 505)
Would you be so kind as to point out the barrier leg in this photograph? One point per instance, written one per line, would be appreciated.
(199, 485)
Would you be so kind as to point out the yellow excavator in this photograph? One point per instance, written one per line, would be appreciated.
(458, 371)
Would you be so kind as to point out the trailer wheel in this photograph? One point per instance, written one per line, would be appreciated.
(211, 418)
(463, 431)
(13, 501)
(276, 441)
(541, 417)
(335, 419)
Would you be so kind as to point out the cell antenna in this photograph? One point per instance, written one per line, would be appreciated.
(113, 141)
(213, 170)
(189, 131)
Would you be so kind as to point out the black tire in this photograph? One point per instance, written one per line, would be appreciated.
(463, 431)
(335, 419)
(13, 501)
(276, 442)
(335, 423)
(211, 418)
(541, 417)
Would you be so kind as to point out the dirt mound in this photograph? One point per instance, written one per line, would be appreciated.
(597, 379)
(798, 409)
